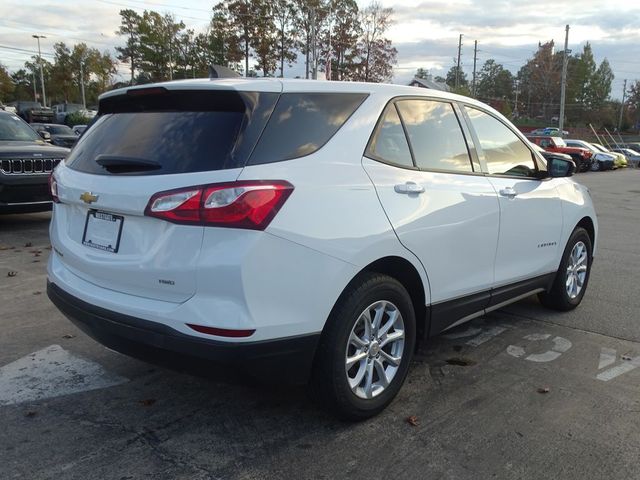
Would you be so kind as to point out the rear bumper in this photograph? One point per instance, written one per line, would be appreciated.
(286, 360)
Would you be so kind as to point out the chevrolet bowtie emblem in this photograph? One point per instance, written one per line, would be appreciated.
(88, 197)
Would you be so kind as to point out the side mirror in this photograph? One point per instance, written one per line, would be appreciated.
(559, 167)
(45, 135)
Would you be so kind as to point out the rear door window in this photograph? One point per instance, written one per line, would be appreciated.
(435, 135)
(302, 123)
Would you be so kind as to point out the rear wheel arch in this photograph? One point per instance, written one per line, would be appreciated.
(408, 275)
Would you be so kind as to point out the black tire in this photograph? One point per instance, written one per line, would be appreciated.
(329, 382)
(596, 166)
(577, 159)
(557, 297)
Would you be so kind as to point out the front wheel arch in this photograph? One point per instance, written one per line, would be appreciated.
(587, 224)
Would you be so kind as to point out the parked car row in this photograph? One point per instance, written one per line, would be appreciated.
(31, 111)
(632, 156)
(587, 155)
(581, 156)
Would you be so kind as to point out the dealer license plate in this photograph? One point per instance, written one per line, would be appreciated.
(103, 230)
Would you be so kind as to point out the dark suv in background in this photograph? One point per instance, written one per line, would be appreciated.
(26, 161)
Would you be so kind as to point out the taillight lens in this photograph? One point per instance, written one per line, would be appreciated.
(53, 188)
(246, 204)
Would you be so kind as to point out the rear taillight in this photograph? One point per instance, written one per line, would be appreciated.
(53, 188)
(246, 204)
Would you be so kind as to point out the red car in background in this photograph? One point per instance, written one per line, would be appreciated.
(581, 156)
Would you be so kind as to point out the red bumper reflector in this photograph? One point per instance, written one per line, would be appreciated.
(221, 332)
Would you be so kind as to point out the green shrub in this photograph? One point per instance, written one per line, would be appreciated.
(76, 118)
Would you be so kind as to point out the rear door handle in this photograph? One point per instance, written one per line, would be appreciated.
(508, 192)
(408, 188)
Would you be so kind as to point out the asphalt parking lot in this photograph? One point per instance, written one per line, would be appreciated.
(522, 393)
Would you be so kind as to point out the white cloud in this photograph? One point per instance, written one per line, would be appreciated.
(425, 33)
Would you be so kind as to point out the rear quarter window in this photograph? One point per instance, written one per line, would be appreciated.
(302, 123)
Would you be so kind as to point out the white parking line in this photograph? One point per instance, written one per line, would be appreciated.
(609, 356)
(51, 372)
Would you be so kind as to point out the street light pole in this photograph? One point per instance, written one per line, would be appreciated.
(44, 96)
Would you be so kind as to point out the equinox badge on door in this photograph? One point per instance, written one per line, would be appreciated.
(88, 197)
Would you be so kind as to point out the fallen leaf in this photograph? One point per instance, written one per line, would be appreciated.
(544, 390)
(28, 244)
(148, 402)
(626, 356)
(413, 421)
(68, 335)
(37, 293)
(11, 273)
(4, 247)
(30, 414)
(35, 261)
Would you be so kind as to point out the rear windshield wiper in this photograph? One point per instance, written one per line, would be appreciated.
(123, 164)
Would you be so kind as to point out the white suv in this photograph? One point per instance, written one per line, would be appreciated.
(308, 231)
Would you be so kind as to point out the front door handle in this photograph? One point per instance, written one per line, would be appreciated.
(508, 192)
(408, 188)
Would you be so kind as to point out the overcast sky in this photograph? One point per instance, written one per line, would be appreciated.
(425, 32)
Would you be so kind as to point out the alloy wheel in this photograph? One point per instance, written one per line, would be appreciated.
(374, 349)
(577, 267)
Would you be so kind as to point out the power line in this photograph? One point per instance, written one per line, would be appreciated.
(24, 50)
(51, 34)
(170, 6)
(117, 4)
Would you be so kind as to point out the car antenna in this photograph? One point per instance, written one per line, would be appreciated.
(219, 71)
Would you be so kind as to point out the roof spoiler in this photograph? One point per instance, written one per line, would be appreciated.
(218, 71)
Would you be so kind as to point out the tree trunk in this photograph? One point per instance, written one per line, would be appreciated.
(246, 57)
(366, 65)
(282, 54)
(307, 58)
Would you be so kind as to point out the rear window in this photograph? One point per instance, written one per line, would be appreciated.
(176, 132)
(302, 123)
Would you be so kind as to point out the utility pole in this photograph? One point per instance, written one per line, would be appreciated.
(563, 84)
(84, 102)
(515, 108)
(475, 58)
(44, 96)
(624, 93)
(458, 65)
